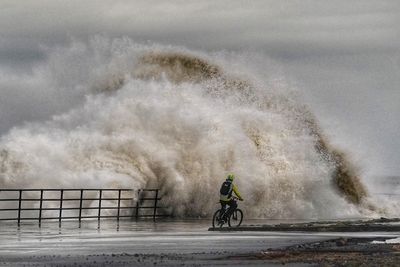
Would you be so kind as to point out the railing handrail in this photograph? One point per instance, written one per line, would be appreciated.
(75, 189)
(64, 199)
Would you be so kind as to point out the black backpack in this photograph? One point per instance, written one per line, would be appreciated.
(226, 188)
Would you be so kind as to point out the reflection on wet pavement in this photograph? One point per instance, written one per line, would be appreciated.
(141, 237)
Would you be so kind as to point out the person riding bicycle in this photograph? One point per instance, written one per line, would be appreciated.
(226, 198)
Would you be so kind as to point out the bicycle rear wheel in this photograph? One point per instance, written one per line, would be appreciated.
(236, 218)
(216, 219)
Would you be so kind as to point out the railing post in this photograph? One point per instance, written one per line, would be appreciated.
(19, 206)
(119, 203)
(40, 207)
(155, 206)
(80, 207)
(100, 194)
(61, 206)
(137, 205)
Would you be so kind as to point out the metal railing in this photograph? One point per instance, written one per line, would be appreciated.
(77, 204)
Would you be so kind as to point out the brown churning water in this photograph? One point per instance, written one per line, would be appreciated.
(186, 68)
(180, 121)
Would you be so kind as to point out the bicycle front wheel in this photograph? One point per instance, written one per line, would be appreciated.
(236, 218)
(216, 219)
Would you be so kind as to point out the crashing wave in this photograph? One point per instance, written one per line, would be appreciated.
(174, 120)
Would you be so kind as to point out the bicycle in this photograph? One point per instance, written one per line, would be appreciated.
(234, 220)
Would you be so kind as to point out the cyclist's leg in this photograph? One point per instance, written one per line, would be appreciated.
(223, 204)
(232, 206)
(223, 209)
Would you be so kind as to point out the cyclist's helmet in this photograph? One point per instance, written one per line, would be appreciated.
(230, 177)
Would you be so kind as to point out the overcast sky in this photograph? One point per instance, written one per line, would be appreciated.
(343, 55)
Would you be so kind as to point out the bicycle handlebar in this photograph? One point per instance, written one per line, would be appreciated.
(234, 198)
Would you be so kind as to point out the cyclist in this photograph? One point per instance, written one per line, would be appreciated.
(226, 197)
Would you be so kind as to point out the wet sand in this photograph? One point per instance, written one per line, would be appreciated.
(334, 252)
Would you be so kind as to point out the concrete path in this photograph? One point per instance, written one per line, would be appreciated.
(139, 244)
